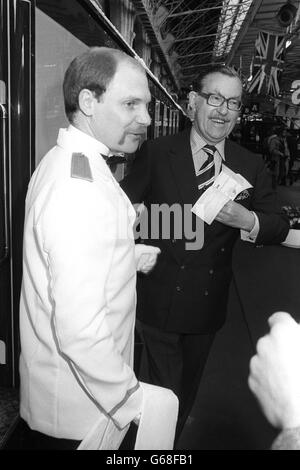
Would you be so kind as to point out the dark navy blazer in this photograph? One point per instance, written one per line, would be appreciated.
(187, 290)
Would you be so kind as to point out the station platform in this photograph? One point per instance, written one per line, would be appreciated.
(226, 415)
(9, 414)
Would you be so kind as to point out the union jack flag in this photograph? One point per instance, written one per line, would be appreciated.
(267, 63)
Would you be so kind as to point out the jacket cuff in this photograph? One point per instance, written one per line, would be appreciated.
(288, 439)
(129, 408)
(251, 236)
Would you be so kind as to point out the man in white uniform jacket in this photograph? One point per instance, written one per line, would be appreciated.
(77, 310)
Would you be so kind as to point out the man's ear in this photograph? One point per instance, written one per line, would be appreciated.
(86, 101)
(192, 100)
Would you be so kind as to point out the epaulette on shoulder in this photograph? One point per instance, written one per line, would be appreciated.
(80, 167)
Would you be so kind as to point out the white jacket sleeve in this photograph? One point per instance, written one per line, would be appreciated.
(79, 232)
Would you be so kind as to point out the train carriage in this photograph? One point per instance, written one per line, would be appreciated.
(38, 40)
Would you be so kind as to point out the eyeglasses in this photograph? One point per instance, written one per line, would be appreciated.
(218, 100)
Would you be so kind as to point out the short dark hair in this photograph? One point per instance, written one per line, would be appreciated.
(223, 69)
(93, 70)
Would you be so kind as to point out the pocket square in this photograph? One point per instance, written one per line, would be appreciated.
(243, 195)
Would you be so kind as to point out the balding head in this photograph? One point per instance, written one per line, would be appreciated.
(92, 70)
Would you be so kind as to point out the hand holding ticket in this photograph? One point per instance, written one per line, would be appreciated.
(145, 257)
(226, 187)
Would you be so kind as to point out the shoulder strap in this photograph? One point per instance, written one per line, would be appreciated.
(80, 167)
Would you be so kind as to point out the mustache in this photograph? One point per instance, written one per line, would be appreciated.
(219, 116)
(139, 130)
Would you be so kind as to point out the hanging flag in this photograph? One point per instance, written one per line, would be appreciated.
(268, 63)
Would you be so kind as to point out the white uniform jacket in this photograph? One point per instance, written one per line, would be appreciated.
(77, 308)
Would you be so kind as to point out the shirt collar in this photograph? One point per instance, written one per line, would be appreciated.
(82, 142)
(197, 143)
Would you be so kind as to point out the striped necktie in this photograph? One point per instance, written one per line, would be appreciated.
(206, 175)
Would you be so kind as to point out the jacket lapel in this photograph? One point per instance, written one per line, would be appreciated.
(231, 157)
(182, 167)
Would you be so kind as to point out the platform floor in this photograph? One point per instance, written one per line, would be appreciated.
(225, 415)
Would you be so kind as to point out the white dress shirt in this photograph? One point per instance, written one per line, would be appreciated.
(200, 157)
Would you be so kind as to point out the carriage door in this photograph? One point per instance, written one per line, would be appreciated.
(5, 271)
(16, 112)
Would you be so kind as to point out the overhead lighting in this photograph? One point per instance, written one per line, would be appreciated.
(288, 43)
(231, 19)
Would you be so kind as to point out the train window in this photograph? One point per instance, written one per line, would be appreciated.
(3, 175)
(151, 111)
(63, 30)
(170, 130)
(165, 119)
(157, 120)
(80, 21)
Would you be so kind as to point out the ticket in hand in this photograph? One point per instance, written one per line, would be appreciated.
(230, 183)
(225, 187)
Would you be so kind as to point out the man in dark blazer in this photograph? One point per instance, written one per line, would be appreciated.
(182, 302)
